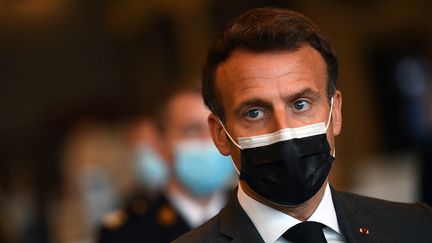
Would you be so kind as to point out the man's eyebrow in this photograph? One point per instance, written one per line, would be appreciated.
(249, 103)
(307, 92)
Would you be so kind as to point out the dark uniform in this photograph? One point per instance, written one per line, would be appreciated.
(143, 220)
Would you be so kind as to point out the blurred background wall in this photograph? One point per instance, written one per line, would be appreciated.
(76, 76)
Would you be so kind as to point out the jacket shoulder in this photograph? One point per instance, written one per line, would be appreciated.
(416, 210)
(390, 221)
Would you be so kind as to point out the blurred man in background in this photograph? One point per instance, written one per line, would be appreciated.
(191, 173)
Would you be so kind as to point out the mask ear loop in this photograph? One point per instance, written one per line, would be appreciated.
(328, 123)
(226, 132)
(330, 114)
(232, 140)
(235, 167)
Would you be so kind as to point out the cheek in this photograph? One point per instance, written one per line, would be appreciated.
(235, 155)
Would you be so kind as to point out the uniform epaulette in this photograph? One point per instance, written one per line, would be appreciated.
(115, 219)
(166, 216)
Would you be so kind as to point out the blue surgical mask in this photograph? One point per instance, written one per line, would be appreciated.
(201, 168)
(151, 170)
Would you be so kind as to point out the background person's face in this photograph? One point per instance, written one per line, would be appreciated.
(186, 119)
(265, 92)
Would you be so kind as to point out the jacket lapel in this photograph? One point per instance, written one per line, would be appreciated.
(356, 225)
(235, 224)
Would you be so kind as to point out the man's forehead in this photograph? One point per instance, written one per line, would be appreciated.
(248, 71)
(243, 63)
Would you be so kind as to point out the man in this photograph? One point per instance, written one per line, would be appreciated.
(269, 82)
(198, 176)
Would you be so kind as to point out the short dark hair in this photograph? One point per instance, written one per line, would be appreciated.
(263, 30)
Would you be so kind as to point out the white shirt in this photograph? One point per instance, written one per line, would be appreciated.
(272, 223)
(195, 213)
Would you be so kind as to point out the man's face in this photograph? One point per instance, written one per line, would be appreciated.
(265, 92)
(186, 119)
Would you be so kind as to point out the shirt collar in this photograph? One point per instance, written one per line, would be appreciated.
(325, 212)
(272, 223)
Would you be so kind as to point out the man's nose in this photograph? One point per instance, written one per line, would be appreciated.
(280, 119)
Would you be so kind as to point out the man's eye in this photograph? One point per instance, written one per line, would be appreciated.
(254, 114)
(301, 105)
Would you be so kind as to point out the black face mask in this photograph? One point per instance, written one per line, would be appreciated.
(289, 166)
(288, 172)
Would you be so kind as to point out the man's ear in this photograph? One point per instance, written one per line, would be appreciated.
(220, 139)
(337, 113)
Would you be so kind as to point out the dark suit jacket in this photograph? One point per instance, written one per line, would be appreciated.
(386, 222)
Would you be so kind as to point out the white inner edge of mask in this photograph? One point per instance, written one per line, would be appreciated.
(282, 135)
